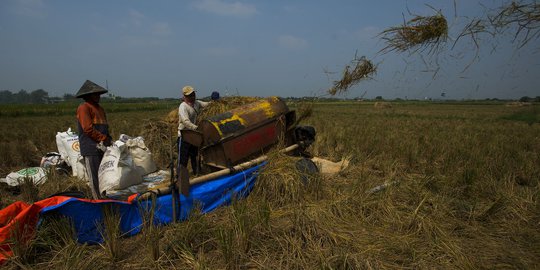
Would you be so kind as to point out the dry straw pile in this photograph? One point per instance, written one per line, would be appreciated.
(280, 182)
(419, 33)
(160, 136)
(363, 69)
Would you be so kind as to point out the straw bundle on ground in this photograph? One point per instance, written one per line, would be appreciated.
(160, 137)
(363, 69)
(420, 33)
(280, 182)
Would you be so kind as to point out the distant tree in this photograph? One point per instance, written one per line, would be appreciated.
(378, 98)
(6, 96)
(524, 99)
(39, 96)
(21, 97)
(537, 99)
(68, 96)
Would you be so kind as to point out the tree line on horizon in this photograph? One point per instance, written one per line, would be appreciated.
(41, 96)
(38, 96)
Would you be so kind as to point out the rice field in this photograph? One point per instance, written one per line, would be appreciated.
(430, 185)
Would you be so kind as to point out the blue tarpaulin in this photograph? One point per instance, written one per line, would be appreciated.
(87, 215)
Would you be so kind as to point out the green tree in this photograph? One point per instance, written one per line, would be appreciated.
(6, 96)
(39, 96)
(21, 97)
(524, 99)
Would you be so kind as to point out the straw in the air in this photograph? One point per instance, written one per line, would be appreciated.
(419, 33)
(524, 16)
(363, 69)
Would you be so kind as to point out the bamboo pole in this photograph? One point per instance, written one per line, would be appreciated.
(214, 175)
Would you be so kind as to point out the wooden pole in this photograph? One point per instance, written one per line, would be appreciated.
(214, 175)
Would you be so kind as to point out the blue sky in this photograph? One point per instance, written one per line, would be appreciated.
(250, 48)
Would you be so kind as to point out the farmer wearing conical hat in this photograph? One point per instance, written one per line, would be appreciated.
(187, 117)
(93, 129)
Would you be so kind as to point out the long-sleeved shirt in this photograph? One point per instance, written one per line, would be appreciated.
(93, 128)
(187, 115)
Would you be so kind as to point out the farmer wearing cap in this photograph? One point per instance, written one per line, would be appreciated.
(214, 96)
(93, 129)
(187, 117)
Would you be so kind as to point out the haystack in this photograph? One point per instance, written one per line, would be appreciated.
(280, 182)
(160, 136)
(420, 32)
(363, 69)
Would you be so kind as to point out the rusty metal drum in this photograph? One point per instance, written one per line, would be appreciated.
(247, 130)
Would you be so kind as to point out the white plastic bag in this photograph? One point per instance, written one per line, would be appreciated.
(37, 175)
(51, 159)
(142, 157)
(117, 170)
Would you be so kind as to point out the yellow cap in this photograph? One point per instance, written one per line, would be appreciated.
(188, 90)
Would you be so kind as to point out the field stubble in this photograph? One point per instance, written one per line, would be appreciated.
(462, 191)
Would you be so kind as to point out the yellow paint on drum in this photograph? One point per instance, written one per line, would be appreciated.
(264, 106)
(234, 117)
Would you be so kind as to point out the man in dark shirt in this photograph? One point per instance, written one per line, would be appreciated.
(93, 129)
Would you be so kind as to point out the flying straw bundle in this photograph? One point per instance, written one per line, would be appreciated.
(363, 69)
(525, 16)
(420, 32)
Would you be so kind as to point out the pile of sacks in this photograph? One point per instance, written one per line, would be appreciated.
(124, 164)
(68, 159)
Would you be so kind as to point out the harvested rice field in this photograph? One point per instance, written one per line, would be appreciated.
(429, 186)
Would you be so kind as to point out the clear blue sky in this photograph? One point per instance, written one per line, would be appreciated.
(252, 48)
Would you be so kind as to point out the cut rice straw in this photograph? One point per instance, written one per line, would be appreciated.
(363, 69)
(419, 33)
(524, 16)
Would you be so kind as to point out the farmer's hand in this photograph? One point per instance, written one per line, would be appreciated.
(107, 142)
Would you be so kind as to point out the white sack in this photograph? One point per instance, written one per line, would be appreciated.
(69, 149)
(60, 143)
(37, 175)
(142, 157)
(328, 167)
(116, 170)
